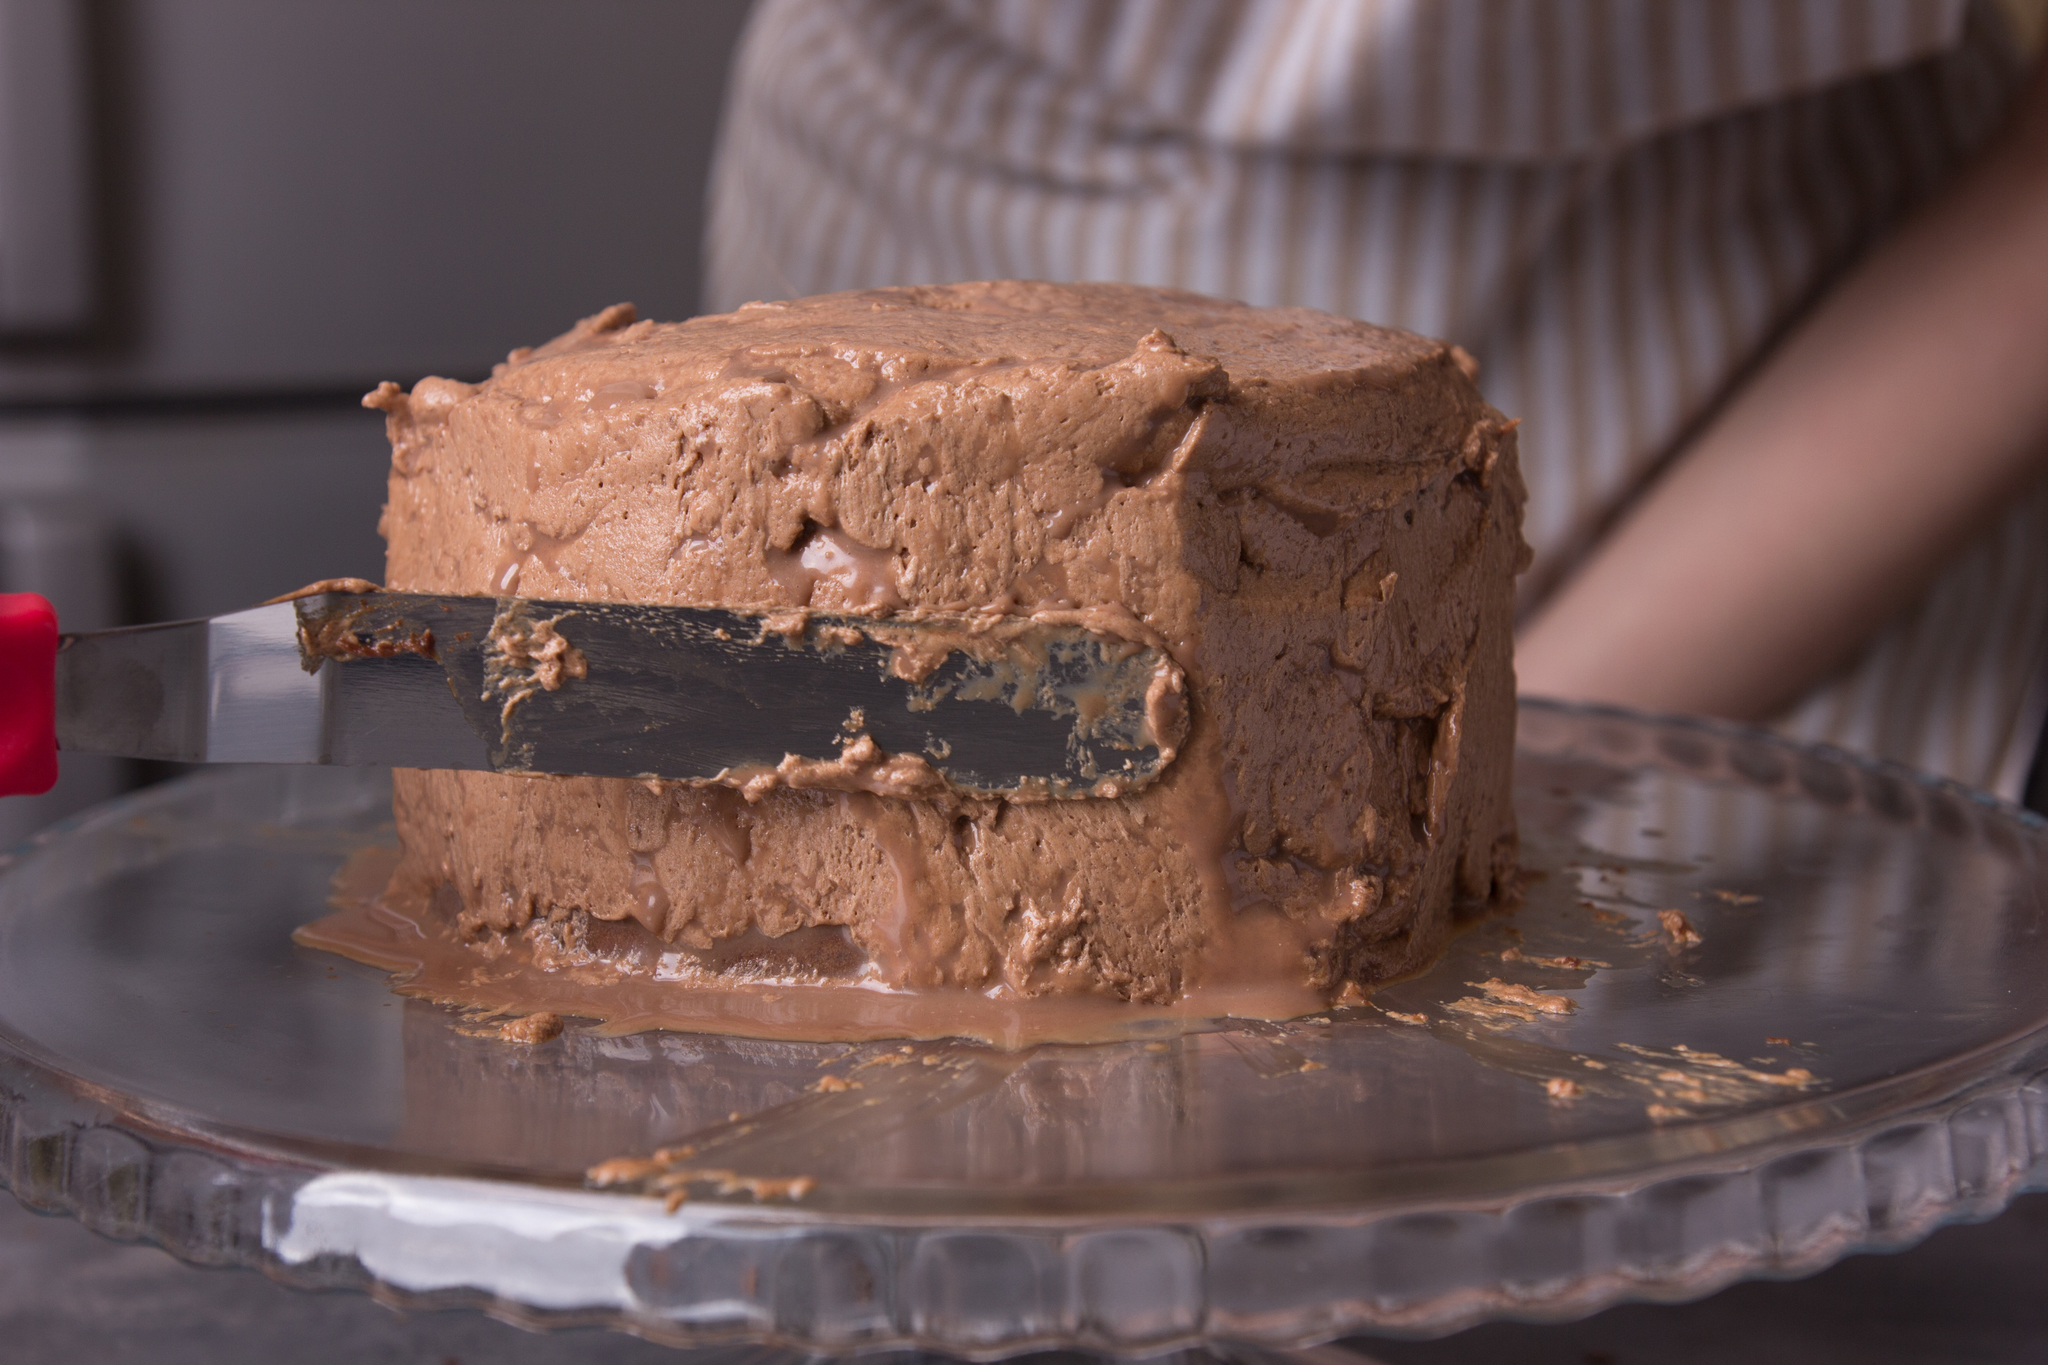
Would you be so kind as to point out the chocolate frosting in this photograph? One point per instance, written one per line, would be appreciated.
(1319, 519)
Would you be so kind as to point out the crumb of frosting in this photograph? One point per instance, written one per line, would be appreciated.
(523, 657)
(657, 1176)
(1514, 993)
(531, 1029)
(1564, 964)
(833, 1085)
(355, 587)
(1678, 929)
(861, 766)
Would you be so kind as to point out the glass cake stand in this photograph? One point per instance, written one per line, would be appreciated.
(1838, 1042)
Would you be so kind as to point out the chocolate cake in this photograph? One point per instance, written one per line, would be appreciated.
(1320, 519)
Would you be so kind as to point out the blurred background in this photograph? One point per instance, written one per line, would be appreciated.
(222, 221)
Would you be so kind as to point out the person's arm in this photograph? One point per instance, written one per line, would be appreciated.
(1897, 419)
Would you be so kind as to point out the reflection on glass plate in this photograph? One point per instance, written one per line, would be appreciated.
(1765, 1005)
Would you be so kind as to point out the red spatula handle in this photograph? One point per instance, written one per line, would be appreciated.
(28, 694)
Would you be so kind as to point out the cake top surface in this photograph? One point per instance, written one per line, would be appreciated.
(998, 445)
(904, 334)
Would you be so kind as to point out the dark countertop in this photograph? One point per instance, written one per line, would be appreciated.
(1968, 1294)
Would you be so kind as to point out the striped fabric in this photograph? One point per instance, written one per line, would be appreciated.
(1615, 204)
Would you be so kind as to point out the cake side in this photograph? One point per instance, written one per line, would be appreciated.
(1362, 638)
(1321, 519)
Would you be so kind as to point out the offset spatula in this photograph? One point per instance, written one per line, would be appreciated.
(993, 707)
